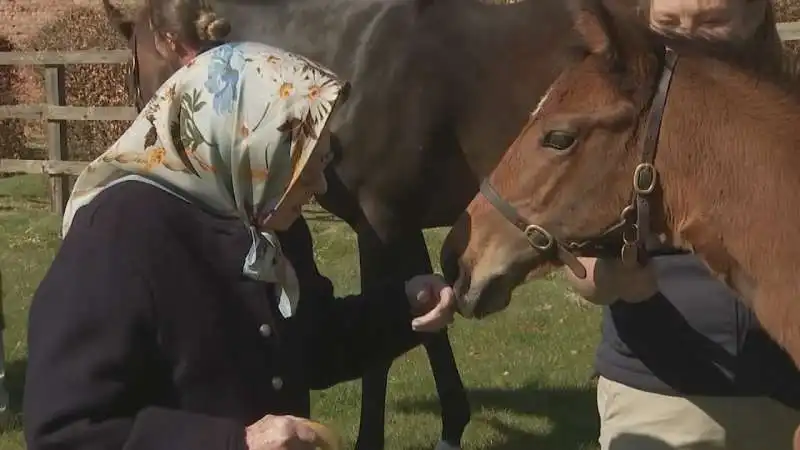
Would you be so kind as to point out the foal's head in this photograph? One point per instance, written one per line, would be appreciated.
(571, 170)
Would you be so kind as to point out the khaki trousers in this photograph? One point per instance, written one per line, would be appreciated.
(631, 419)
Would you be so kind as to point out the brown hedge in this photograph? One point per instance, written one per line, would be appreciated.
(87, 85)
(12, 136)
(788, 11)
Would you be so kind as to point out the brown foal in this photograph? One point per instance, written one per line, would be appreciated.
(633, 144)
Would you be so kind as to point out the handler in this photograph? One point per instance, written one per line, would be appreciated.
(690, 368)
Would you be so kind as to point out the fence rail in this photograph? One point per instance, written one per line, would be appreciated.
(67, 113)
(64, 58)
(789, 31)
(56, 113)
(43, 166)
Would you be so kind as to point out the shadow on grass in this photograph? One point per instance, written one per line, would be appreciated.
(627, 440)
(572, 410)
(317, 214)
(321, 216)
(26, 198)
(15, 382)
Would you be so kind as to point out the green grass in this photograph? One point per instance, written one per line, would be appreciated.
(527, 369)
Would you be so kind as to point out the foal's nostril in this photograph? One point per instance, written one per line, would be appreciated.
(450, 268)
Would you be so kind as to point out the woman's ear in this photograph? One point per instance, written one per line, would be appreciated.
(166, 45)
(172, 41)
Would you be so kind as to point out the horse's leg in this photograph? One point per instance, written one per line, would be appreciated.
(450, 388)
(403, 257)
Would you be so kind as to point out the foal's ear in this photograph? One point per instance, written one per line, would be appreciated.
(594, 22)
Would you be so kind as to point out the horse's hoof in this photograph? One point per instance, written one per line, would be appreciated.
(444, 445)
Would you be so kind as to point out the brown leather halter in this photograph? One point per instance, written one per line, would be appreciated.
(626, 239)
(135, 87)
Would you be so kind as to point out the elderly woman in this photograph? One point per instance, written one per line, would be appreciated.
(689, 367)
(171, 317)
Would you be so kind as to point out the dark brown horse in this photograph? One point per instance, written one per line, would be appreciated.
(634, 145)
(440, 89)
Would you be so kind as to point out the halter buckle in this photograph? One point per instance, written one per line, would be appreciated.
(539, 238)
(644, 178)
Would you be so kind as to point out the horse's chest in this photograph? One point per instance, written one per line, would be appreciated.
(706, 242)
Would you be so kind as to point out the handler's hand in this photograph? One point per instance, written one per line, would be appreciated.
(432, 300)
(280, 433)
(629, 284)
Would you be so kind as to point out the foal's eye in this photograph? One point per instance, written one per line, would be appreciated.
(559, 140)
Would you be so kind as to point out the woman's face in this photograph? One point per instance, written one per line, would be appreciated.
(310, 183)
(717, 19)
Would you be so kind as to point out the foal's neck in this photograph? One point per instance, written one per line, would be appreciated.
(730, 152)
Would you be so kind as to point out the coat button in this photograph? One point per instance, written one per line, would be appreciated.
(277, 383)
(265, 330)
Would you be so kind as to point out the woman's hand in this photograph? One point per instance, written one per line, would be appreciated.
(280, 433)
(432, 301)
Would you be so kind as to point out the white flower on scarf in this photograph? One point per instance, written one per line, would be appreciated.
(321, 93)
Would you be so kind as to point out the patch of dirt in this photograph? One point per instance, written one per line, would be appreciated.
(22, 19)
(787, 10)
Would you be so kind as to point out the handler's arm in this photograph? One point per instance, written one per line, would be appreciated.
(607, 282)
(92, 370)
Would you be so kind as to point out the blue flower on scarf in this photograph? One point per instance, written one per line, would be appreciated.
(223, 77)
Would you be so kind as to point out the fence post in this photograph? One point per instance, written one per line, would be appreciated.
(3, 391)
(56, 136)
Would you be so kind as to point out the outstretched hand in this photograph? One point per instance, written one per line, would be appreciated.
(290, 433)
(433, 302)
(280, 433)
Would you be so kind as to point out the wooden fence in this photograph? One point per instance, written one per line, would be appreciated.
(56, 113)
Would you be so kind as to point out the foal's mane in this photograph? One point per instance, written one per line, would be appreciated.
(762, 57)
(756, 59)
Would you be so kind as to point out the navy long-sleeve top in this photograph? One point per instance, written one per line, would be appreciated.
(144, 334)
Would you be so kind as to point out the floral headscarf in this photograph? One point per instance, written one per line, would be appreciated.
(231, 133)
